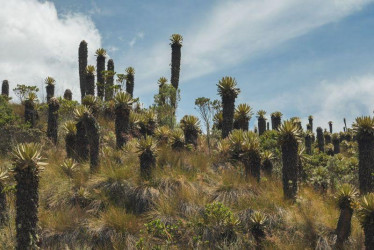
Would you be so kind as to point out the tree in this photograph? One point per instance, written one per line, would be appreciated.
(123, 102)
(276, 120)
(205, 108)
(345, 197)
(364, 130)
(288, 138)
(109, 80)
(191, 127)
(5, 88)
(130, 78)
(90, 81)
(100, 67)
(22, 91)
(50, 82)
(53, 107)
(242, 116)
(228, 91)
(147, 150)
(28, 163)
(82, 59)
(261, 121)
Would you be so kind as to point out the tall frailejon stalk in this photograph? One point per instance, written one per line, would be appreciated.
(147, 150)
(130, 80)
(100, 68)
(288, 138)
(68, 95)
(366, 217)
(276, 120)
(109, 83)
(122, 111)
(364, 129)
(330, 126)
(82, 60)
(53, 107)
(345, 198)
(308, 142)
(228, 91)
(320, 140)
(90, 81)
(191, 127)
(336, 143)
(310, 120)
(5, 88)
(327, 137)
(50, 82)
(3, 202)
(261, 121)
(28, 163)
(81, 140)
(70, 139)
(30, 112)
(176, 45)
(242, 116)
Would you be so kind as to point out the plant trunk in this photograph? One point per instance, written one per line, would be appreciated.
(130, 84)
(100, 77)
(311, 124)
(53, 108)
(82, 54)
(343, 229)
(50, 91)
(30, 113)
(175, 64)
(290, 168)
(81, 143)
(90, 85)
(191, 137)
(68, 95)
(336, 143)
(3, 206)
(122, 125)
(5, 88)
(228, 108)
(147, 162)
(320, 140)
(70, 140)
(252, 165)
(369, 236)
(92, 129)
(109, 82)
(366, 163)
(308, 144)
(261, 125)
(267, 166)
(27, 199)
(275, 122)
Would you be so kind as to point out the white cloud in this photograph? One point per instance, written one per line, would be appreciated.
(236, 31)
(138, 36)
(36, 43)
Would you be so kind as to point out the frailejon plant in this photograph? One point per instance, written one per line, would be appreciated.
(5, 88)
(90, 81)
(330, 126)
(258, 221)
(366, 217)
(177, 140)
(70, 130)
(148, 122)
(123, 102)
(176, 41)
(28, 163)
(308, 142)
(82, 59)
(162, 135)
(261, 121)
(288, 138)
(30, 112)
(53, 107)
(228, 91)
(310, 120)
(191, 127)
(250, 155)
(336, 142)
(242, 116)
(92, 102)
(50, 82)
(147, 150)
(327, 137)
(267, 158)
(276, 120)
(364, 130)
(345, 197)
(81, 140)
(109, 80)
(68, 95)
(100, 68)
(4, 176)
(130, 80)
(320, 140)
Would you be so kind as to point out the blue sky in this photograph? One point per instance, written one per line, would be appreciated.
(299, 57)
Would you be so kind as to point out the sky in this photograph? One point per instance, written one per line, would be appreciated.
(310, 57)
